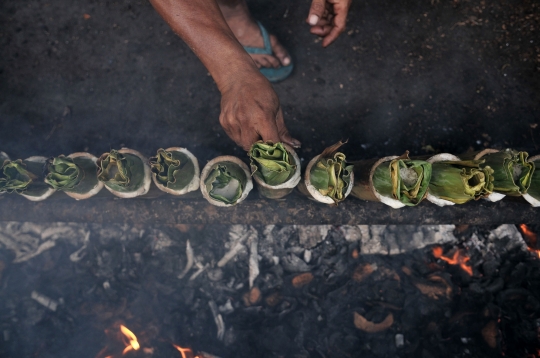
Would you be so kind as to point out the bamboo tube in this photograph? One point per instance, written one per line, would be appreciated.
(99, 185)
(211, 165)
(284, 189)
(35, 165)
(192, 185)
(146, 181)
(308, 188)
(442, 157)
(493, 197)
(535, 202)
(363, 186)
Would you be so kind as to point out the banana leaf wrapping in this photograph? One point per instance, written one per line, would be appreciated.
(14, 177)
(3, 158)
(454, 181)
(533, 194)
(394, 181)
(175, 170)
(124, 172)
(76, 175)
(25, 177)
(225, 181)
(275, 168)
(512, 172)
(328, 178)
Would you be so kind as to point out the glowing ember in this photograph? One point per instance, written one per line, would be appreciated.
(130, 340)
(457, 259)
(531, 238)
(185, 352)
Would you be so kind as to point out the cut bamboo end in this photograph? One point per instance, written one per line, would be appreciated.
(206, 171)
(442, 157)
(493, 197)
(193, 184)
(143, 189)
(50, 191)
(393, 203)
(284, 189)
(96, 189)
(314, 192)
(533, 201)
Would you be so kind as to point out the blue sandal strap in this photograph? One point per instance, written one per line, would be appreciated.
(267, 50)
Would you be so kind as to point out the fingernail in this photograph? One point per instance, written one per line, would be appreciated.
(313, 19)
(286, 61)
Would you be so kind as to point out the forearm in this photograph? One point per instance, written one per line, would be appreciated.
(202, 26)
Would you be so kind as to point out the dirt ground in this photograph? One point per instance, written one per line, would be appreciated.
(427, 76)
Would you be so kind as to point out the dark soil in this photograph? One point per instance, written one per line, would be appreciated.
(419, 75)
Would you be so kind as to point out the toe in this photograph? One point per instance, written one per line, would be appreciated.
(280, 51)
(268, 61)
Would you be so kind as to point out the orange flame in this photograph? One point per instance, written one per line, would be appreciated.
(185, 352)
(130, 340)
(531, 238)
(457, 259)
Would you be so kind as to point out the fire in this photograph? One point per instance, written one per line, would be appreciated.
(185, 352)
(531, 238)
(458, 259)
(130, 340)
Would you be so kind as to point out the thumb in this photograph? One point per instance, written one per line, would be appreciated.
(316, 11)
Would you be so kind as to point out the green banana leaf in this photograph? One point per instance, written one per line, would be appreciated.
(63, 174)
(15, 177)
(331, 175)
(172, 169)
(73, 175)
(271, 162)
(226, 182)
(461, 181)
(534, 188)
(512, 173)
(121, 172)
(405, 180)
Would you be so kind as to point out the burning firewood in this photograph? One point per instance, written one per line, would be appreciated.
(252, 297)
(363, 271)
(367, 326)
(302, 279)
(490, 332)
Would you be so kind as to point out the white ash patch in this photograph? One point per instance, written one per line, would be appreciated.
(28, 240)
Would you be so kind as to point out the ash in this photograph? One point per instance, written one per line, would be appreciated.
(274, 291)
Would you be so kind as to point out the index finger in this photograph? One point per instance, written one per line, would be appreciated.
(339, 26)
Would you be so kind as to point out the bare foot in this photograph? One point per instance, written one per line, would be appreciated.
(247, 32)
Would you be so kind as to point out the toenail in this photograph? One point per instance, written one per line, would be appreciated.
(286, 61)
(313, 19)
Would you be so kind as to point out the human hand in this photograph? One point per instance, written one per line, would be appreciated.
(328, 18)
(250, 111)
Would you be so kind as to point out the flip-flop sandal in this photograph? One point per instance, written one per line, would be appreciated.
(272, 74)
